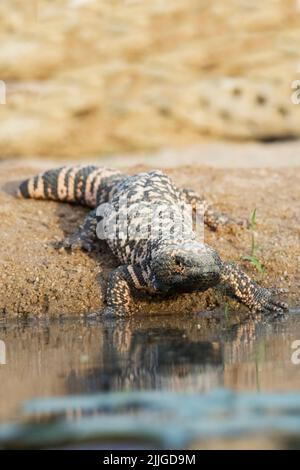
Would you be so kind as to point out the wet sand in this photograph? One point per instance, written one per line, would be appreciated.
(38, 280)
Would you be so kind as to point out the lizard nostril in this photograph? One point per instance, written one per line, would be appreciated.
(177, 262)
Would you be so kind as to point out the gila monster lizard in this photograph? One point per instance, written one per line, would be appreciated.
(162, 257)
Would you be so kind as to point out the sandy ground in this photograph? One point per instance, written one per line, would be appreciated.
(36, 279)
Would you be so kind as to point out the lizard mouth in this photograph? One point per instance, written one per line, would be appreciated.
(200, 281)
(197, 280)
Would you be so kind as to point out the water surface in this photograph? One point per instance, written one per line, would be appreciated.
(181, 354)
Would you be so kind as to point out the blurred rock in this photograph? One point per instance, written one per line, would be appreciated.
(85, 77)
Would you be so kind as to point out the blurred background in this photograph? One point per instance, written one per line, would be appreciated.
(91, 78)
(163, 83)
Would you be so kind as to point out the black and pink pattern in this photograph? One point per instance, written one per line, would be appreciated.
(158, 254)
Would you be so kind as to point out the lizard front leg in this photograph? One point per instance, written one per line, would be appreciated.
(85, 236)
(122, 284)
(212, 218)
(243, 288)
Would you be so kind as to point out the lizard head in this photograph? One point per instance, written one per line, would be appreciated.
(187, 267)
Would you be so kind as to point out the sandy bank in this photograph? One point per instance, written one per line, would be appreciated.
(37, 279)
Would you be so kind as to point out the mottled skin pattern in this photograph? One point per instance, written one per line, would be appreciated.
(163, 254)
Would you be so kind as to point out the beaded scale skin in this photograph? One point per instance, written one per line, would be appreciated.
(148, 224)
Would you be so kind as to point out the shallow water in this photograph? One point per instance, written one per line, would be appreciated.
(178, 354)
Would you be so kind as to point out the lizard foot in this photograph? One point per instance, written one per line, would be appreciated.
(266, 301)
(119, 312)
(73, 243)
(247, 291)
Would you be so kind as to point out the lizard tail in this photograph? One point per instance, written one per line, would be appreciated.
(87, 185)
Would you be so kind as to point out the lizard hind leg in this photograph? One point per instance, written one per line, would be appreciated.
(212, 218)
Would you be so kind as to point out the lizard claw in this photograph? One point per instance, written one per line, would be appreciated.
(73, 243)
(279, 290)
(243, 223)
(108, 313)
(111, 312)
(225, 220)
(269, 303)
